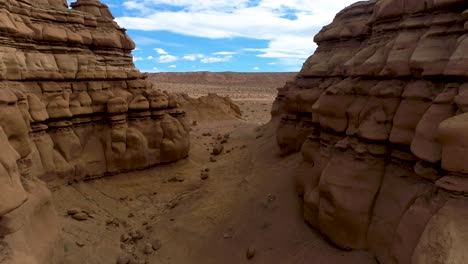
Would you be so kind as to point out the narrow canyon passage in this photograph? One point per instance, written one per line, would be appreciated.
(215, 220)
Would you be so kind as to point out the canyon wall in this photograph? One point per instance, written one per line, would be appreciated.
(379, 113)
(72, 107)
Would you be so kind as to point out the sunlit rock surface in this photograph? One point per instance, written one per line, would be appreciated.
(72, 107)
(378, 112)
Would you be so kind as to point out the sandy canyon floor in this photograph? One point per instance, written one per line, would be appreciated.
(246, 211)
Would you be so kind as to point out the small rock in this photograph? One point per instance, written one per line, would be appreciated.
(250, 253)
(207, 169)
(80, 244)
(74, 211)
(113, 222)
(91, 215)
(130, 215)
(226, 136)
(148, 249)
(228, 151)
(227, 235)
(176, 179)
(204, 175)
(137, 235)
(124, 237)
(212, 159)
(80, 216)
(123, 260)
(219, 137)
(194, 123)
(224, 141)
(173, 204)
(218, 149)
(156, 244)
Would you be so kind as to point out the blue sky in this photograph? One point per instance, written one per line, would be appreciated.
(223, 35)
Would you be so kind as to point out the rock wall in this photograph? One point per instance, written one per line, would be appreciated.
(379, 115)
(72, 107)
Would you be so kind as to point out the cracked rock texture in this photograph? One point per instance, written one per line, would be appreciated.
(72, 107)
(379, 115)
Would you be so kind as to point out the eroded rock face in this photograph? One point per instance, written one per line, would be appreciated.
(378, 113)
(72, 106)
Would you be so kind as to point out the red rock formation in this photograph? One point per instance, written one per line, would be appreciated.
(72, 106)
(378, 113)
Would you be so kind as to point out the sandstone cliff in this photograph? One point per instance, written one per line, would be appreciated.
(378, 113)
(72, 106)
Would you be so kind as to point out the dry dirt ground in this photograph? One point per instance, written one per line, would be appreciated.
(254, 100)
(247, 202)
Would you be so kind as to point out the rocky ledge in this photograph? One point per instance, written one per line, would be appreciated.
(72, 107)
(379, 115)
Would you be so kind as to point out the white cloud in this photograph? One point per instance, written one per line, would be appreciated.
(167, 58)
(193, 57)
(256, 68)
(223, 53)
(266, 20)
(172, 66)
(138, 58)
(149, 57)
(134, 5)
(142, 40)
(272, 63)
(216, 59)
(189, 57)
(160, 51)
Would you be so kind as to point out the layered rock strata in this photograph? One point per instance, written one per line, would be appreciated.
(72, 107)
(379, 115)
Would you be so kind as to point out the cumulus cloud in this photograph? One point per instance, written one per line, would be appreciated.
(167, 58)
(160, 51)
(256, 68)
(288, 26)
(215, 59)
(138, 58)
(172, 66)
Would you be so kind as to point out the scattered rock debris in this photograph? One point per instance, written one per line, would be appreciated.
(250, 253)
